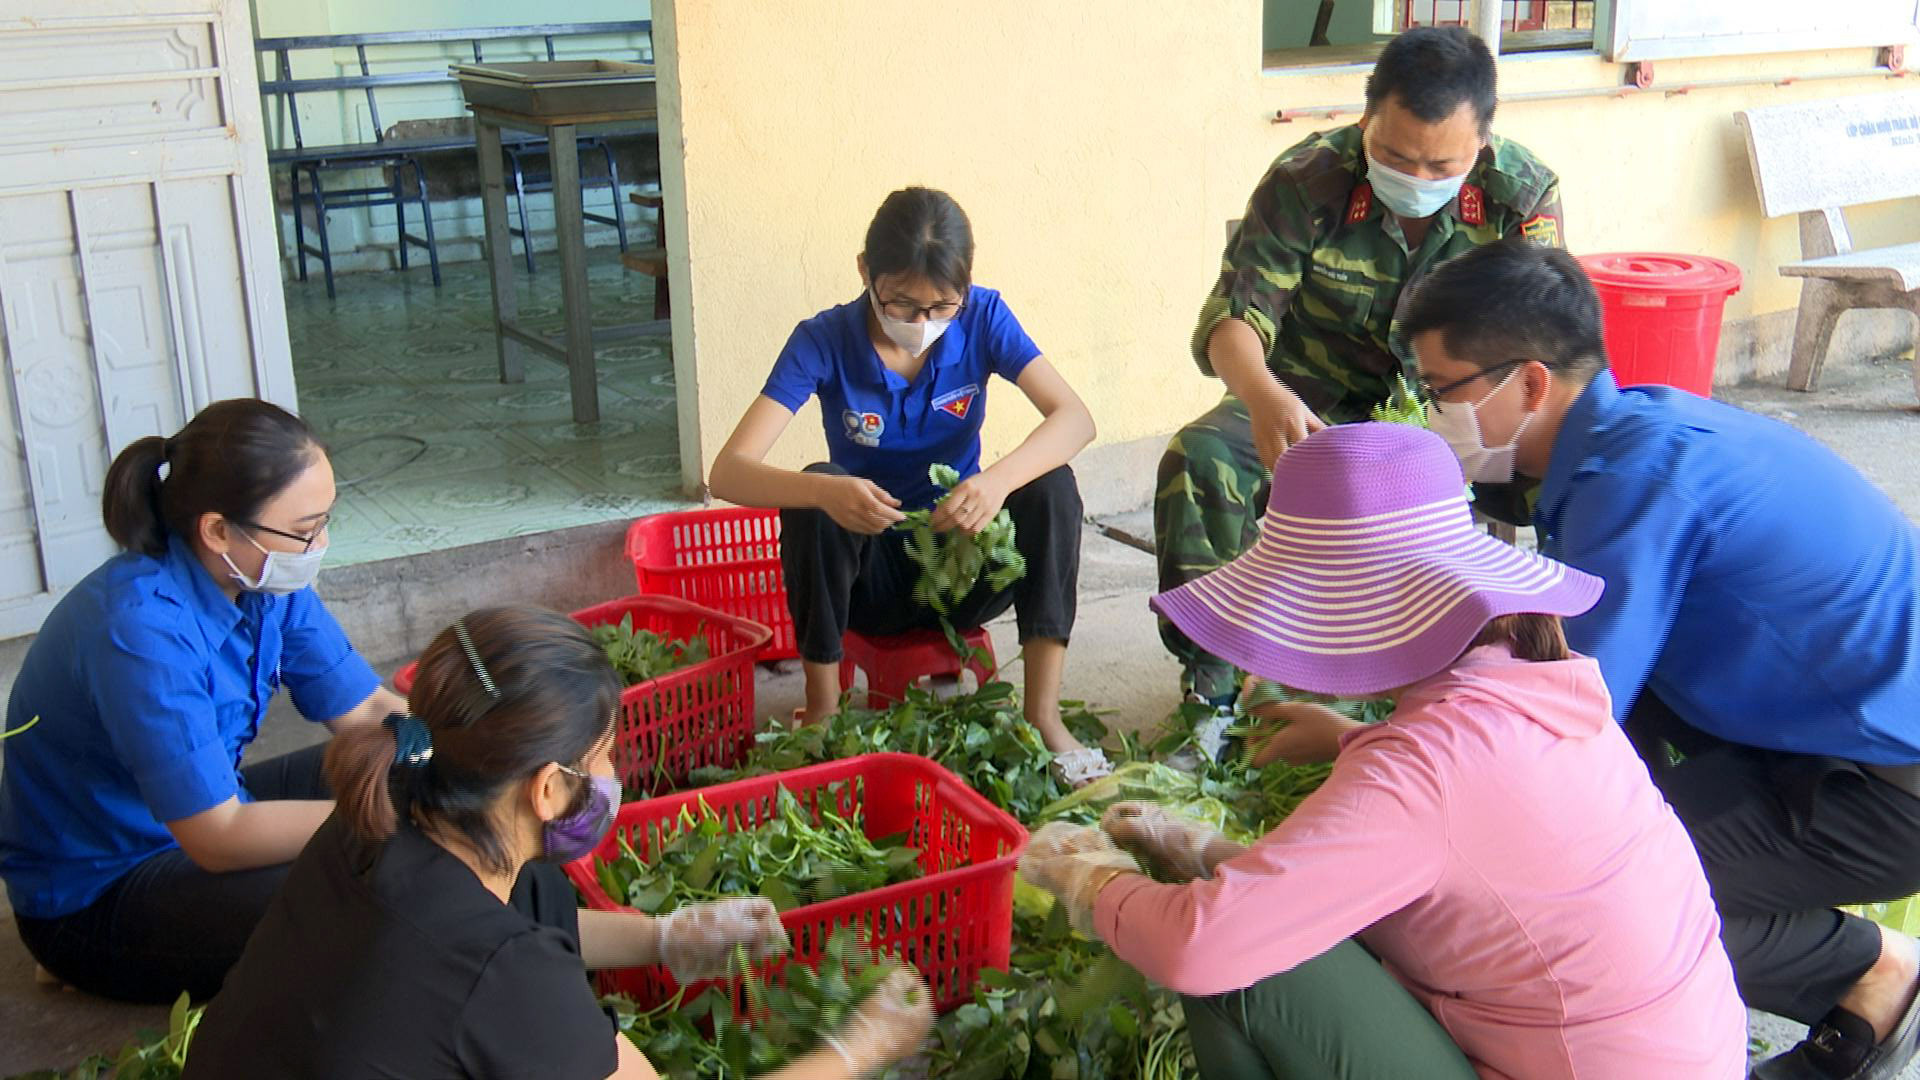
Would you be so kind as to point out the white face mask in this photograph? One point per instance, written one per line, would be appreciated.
(283, 572)
(915, 337)
(1411, 196)
(1458, 422)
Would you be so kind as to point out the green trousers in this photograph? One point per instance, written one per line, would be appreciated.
(1339, 1016)
(1208, 498)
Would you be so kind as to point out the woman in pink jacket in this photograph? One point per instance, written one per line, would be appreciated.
(1487, 885)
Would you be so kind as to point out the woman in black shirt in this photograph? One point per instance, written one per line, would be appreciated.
(427, 932)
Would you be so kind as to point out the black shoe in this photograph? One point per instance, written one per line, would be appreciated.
(1841, 1047)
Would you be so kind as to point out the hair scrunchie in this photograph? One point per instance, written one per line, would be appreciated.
(413, 743)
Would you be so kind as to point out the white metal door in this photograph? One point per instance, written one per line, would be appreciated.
(138, 274)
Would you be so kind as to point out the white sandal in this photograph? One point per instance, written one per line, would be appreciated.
(1078, 768)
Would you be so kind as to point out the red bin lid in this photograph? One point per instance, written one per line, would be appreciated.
(1654, 271)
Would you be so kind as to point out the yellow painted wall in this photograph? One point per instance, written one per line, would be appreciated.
(1098, 149)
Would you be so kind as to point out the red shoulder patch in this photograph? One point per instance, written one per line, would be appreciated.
(1360, 203)
(1473, 205)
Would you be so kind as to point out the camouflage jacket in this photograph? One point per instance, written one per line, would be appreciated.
(1319, 268)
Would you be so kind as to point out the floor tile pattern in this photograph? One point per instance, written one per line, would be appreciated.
(393, 359)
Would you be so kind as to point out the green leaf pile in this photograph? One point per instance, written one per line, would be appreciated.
(981, 737)
(639, 655)
(704, 1038)
(790, 859)
(951, 563)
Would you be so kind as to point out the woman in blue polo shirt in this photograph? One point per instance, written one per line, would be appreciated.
(901, 372)
(137, 852)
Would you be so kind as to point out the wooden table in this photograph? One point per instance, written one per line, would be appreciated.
(575, 346)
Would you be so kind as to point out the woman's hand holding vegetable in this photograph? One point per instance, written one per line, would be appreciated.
(971, 505)
(890, 1024)
(857, 504)
(1179, 846)
(1297, 732)
(698, 941)
(1074, 862)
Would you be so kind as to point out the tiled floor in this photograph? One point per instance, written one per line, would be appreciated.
(393, 357)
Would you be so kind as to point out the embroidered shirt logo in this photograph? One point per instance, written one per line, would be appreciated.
(956, 403)
(863, 427)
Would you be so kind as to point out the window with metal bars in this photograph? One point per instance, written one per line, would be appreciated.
(1516, 16)
(1324, 32)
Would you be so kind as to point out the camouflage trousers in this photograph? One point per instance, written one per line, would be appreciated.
(1207, 503)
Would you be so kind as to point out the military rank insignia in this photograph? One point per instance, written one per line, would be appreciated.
(1360, 204)
(1473, 205)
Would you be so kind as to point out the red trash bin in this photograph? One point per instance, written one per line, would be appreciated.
(1661, 315)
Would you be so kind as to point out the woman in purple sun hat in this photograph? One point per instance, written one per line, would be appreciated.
(1487, 885)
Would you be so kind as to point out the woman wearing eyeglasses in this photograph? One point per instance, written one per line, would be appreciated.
(901, 371)
(138, 854)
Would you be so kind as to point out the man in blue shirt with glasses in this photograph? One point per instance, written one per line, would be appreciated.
(1760, 634)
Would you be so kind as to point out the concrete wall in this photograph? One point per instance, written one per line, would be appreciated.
(1098, 158)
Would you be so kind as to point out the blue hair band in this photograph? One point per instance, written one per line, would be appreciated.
(413, 743)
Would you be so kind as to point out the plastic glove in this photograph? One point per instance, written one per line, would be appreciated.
(1074, 862)
(890, 1024)
(1176, 844)
(698, 941)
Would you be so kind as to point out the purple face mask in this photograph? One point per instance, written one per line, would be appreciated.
(568, 838)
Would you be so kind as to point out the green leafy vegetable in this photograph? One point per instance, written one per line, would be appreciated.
(639, 655)
(951, 563)
(790, 859)
(705, 1038)
(1403, 405)
(982, 737)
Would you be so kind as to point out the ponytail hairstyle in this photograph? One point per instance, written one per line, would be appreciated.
(1531, 636)
(230, 460)
(921, 231)
(534, 689)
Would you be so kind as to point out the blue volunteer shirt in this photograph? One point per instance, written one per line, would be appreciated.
(1756, 583)
(879, 425)
(149, 683)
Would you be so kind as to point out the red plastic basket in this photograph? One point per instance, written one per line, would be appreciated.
(950, 924)
(699, 715)
(726, 558)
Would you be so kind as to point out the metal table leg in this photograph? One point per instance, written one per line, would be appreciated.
(565, 152)
(493, 205)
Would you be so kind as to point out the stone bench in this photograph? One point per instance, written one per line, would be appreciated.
(1814, 158)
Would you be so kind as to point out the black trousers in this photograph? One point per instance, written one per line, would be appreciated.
(839, 580)
(167, 925)
(1784, 839)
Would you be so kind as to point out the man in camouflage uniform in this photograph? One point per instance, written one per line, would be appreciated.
(1302, 323)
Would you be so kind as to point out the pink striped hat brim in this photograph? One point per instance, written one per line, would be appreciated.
(1356, 606)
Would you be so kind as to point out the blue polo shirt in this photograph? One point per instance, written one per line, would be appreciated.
(149, 684)
(1757, 583)
(879, 425)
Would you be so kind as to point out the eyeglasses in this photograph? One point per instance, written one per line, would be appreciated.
(907, 310)
(1431, 393)
(306, 542)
